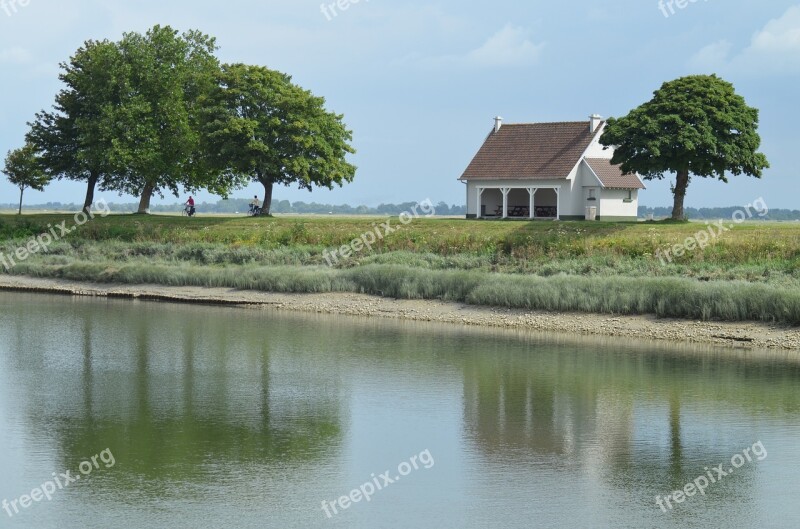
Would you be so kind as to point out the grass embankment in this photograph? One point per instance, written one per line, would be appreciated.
(748, 273)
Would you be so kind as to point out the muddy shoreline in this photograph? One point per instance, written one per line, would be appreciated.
(748, 335)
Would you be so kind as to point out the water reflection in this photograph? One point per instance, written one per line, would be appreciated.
(172, 395)
(622, 414)
(246, 415)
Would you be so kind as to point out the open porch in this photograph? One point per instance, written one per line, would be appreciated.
(540, 202)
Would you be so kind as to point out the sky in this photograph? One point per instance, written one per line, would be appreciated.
(420, 83)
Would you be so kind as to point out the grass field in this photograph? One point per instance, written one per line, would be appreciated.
(749, 272)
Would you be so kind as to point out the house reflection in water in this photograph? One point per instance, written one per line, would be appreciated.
(632, 418)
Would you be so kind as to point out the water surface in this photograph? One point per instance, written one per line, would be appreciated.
(229, 417)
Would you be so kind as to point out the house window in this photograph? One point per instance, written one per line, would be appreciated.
(591, 194)
(628, 196)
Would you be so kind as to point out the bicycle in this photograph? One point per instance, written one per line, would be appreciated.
(189, 211)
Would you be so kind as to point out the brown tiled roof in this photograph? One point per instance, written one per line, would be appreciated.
(533, 150)
(611, 175)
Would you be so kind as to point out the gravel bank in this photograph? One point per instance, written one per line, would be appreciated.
(743, 335)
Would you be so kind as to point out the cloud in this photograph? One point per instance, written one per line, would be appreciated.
(712, 57)
(773, 49)
(781, 35)
(15, 55)
(510, 47)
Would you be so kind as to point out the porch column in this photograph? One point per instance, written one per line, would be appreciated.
(532, 193)
(479, 191)
(558, 202)
(505, 191)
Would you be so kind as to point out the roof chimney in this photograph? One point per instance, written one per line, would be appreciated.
(594, 122)
(498, 122)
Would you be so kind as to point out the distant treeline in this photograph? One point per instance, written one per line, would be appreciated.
(237, 205)
(242, 205)
(720, 213)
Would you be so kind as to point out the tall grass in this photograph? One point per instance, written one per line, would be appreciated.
(664, 297)
(777, 272)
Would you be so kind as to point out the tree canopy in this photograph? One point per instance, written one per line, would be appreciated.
(170, 77)
(76, 140)
(155, 113)
(696, 125)
(269, 130)
(24, 169)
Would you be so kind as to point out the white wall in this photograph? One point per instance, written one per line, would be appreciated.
(612, 203)
(597, 202)
(572, 195)
(596, 150)
(588, 181)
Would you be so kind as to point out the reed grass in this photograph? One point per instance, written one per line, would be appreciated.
(664, 297)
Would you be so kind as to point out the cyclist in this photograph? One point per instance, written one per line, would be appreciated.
(255, 206)
(190, 207)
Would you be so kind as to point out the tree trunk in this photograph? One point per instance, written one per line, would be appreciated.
(90, 185)
(144, 202)
(681, 183)
(268, 184)
(21, 191)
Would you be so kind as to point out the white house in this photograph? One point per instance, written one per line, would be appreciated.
(549, 171)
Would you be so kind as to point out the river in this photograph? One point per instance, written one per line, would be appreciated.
(185, 416)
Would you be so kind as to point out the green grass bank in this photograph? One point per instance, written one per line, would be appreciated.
(749, 272)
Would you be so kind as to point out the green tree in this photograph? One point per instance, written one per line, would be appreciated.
(266, 129)
(23, 169)
(170, 77)
(694, 125)
(76, 140)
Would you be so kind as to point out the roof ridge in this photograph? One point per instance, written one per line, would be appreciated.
(546, 123)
